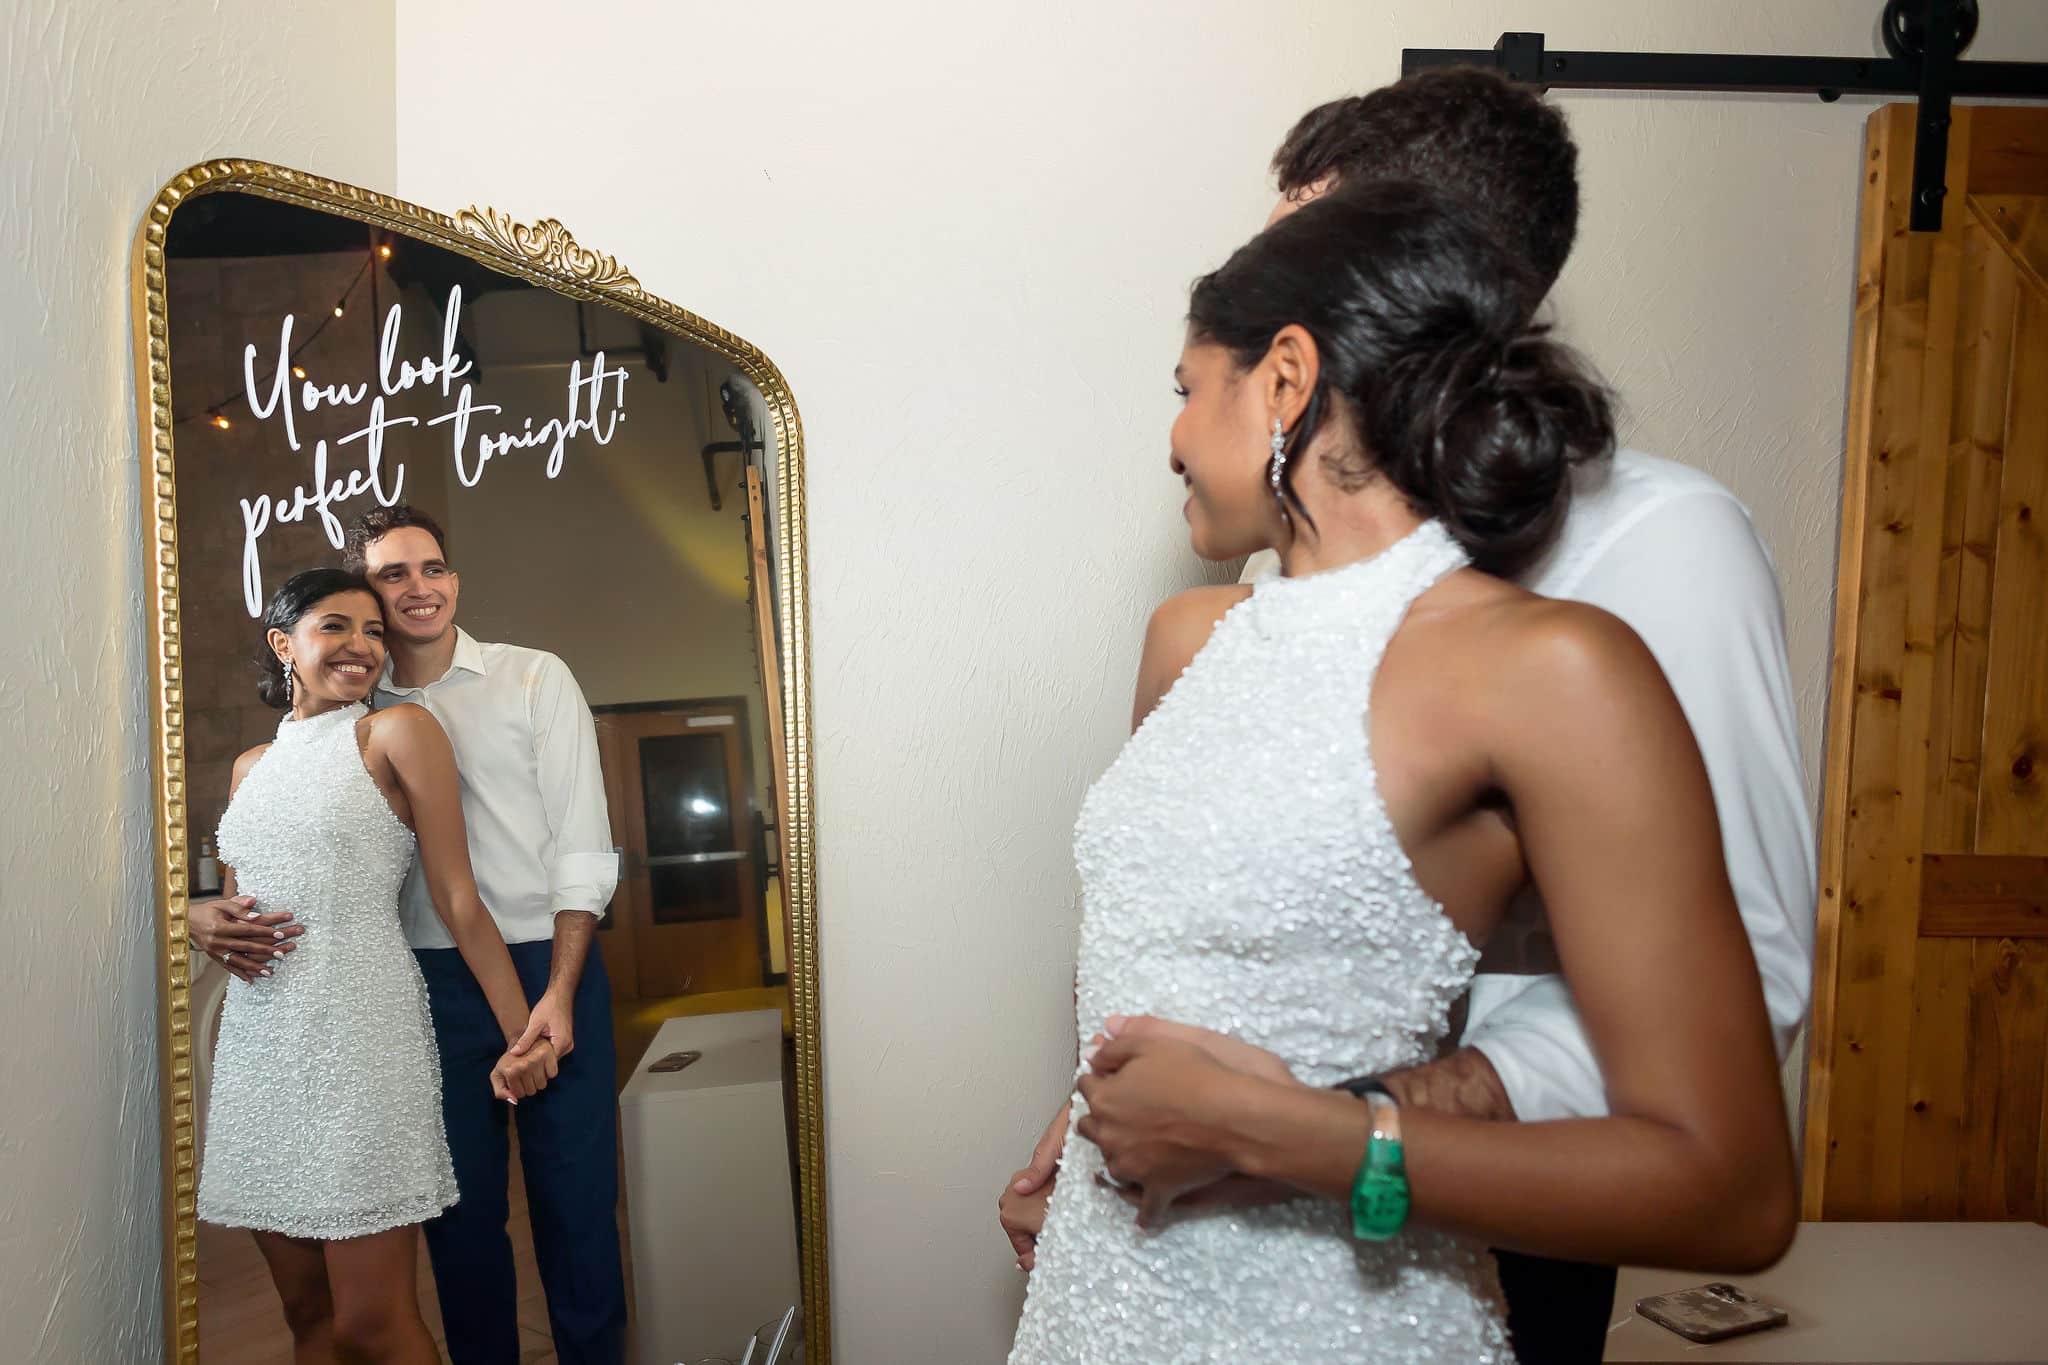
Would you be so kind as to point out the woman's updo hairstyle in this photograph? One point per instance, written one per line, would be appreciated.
(300, 594)
(1419, 317)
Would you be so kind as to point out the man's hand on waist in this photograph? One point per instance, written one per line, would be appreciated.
(1463, 1083)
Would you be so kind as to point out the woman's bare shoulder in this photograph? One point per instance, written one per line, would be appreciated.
(1557, 663)
(247, 760)
(1185, 620)
(405, 723)
(1575, 641)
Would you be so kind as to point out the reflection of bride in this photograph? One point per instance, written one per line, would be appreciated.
(324, 1130)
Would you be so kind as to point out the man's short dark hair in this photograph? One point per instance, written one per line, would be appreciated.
(379, 522)
(1467, 130)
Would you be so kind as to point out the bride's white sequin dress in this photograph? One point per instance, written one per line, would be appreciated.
(1239, 872)
(325, 1114)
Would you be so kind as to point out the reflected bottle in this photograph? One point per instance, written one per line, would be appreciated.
(206, 871)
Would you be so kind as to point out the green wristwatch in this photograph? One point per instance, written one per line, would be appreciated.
(1379, 1192)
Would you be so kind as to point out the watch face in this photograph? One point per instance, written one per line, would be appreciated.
(1379, 1205)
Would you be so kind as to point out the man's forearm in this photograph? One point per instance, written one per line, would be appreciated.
(1464, 1084)
(574, 930)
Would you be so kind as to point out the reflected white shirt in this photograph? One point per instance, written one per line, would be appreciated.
(1672, 553)
(540, 837)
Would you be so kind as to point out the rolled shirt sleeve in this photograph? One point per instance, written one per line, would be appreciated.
(583, 870)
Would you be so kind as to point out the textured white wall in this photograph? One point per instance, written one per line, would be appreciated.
(104, 101)
(965, 232)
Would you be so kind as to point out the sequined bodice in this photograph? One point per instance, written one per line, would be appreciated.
(310, 833)
(1239, 871)
(1237, 866)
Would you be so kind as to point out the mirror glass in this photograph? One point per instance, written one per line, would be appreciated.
(604, 491)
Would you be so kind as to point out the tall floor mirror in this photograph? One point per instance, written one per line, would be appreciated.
(611, 481)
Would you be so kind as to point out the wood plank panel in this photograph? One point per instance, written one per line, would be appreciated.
(2012, 810)
(1944, 705)
(2024, 1074)
(1902, 531)
(2006, 155)
(2041, 1149)
(2019, 223)
(1930, 1185)
(1882, 170)
(2002, 1082)
(1983, 896)
(1888, 168)
(1983, 375)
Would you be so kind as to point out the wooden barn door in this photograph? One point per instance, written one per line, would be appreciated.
(1930, 1030)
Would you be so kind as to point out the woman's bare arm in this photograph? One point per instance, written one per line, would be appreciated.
(423, 764)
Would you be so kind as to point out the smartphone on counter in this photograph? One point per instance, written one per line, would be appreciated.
(1712, 1312)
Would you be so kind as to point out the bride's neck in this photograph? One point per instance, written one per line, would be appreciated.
(309, 707)
(1348, 527)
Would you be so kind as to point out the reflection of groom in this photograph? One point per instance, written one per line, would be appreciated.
(540, 840)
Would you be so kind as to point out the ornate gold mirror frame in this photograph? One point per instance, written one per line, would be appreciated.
(543, 254)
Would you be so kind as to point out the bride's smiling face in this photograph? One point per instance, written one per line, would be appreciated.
(1221, 449)
(336, 649)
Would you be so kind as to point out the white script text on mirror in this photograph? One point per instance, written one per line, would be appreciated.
(587, 412)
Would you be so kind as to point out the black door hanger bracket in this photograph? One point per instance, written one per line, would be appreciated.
(1924, 37)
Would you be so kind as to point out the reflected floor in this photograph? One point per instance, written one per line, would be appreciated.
(241, 1321)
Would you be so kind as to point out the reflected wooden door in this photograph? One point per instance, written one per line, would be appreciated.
(687, 914)
(1925, 1098)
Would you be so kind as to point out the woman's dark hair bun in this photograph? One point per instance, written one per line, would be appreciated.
(1494, 439)
(1420, 320)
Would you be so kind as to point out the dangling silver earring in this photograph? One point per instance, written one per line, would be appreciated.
(1279, 465)
(287, 684)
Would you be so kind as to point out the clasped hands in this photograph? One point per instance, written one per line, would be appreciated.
(1159, 1095)
(534, 1057)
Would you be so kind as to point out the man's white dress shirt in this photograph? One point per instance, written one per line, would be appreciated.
(1671, 552)
(540, 837)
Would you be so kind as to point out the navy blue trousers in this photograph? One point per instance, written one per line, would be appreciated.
(568, 1147)
(1558, 1311)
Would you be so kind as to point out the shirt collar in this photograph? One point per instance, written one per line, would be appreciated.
(469, 657)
